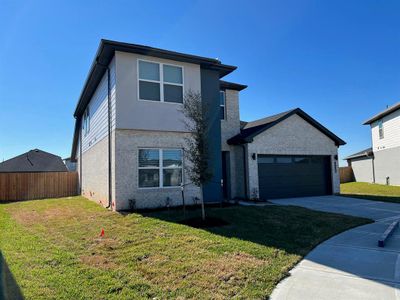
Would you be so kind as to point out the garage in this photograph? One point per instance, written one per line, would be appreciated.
(284, 176)
(288, 155)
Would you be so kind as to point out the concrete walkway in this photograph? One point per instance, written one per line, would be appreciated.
(349, 265)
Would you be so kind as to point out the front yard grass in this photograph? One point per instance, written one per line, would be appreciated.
(53, 250)
(371, 191)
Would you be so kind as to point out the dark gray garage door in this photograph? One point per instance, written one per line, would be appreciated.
(293, 176)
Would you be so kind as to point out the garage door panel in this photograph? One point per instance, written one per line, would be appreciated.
(293, 176)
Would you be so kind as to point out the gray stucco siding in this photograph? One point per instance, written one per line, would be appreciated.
(133, 113)
(387, 164)
(363, 169)
(210, 87)
(128, 143)
(293, 136)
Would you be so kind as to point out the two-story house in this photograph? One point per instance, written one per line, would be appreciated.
(380, 163)
(129, 136)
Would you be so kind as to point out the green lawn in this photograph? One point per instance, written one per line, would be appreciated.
(370, 191)
(53, 250)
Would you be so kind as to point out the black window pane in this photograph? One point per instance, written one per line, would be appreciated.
(222, 112)
(221, 97)
(172, 177)
(173, 93)
(149, 178)
(149, 91)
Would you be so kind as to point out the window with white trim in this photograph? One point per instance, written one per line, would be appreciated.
(222, 104)
(160, 82)
(86, 122)
(160, 168)
(381, 132)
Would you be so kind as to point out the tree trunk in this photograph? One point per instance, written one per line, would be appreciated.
(203, 211)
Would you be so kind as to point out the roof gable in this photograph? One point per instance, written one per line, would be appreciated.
(254, 128)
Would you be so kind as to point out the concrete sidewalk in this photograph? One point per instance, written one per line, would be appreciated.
(349, 265)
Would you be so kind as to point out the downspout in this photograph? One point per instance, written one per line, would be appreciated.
(109, 133)
(109, 140)
(246, 195)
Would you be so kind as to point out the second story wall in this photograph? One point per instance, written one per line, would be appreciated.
(230, 125)
(133, 113)
(391, 132)
(98, 111)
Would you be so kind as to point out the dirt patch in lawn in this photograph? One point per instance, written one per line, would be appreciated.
(97, 261)
(30, 217)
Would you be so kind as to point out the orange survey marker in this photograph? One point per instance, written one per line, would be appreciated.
(102, 232)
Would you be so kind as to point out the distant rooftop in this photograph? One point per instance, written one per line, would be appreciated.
(33, 161)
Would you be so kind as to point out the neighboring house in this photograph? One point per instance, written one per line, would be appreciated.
(130, 135)
(381, 163)
(71, 165)
(33, 161)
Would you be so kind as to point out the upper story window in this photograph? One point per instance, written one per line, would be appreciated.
(86, 122)
(160, 168)
(380, 126)
(160, 82)
(222, 105)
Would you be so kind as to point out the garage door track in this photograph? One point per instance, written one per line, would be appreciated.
(349, 265)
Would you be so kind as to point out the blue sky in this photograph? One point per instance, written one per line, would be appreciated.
(337, 60)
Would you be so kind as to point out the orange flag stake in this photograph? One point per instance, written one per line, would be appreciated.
(102, 232)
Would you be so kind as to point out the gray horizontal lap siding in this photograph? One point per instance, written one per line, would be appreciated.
(98, 108)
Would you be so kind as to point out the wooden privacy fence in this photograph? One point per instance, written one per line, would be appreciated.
(346, 174)
(29, 186)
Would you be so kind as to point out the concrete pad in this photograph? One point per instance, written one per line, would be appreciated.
(317, 285)
(349, 265)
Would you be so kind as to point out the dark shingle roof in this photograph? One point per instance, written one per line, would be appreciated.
(251, 129)
(33, 161)
(382, 114)
(231, 85)
(364, 153)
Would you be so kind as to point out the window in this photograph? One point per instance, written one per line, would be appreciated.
(160, 168)
(160, 82)
(381, 133)
(86, 122)
(222, 104)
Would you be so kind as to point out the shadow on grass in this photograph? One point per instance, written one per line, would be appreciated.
(9, 288)
(393, 199)
(296, 230)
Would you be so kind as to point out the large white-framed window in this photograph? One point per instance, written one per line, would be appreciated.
(160, 82)
(222, 105)
(380, 127)
(160, 168)
(86, 122)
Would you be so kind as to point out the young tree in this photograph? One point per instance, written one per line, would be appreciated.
(196, 148)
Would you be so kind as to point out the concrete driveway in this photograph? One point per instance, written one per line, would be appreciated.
(349, 265)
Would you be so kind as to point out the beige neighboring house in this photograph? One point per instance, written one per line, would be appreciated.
(130, 136)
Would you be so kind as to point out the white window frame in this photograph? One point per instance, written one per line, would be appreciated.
(160, 168)
(224, 106)
(381, 132)
(161, 82)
